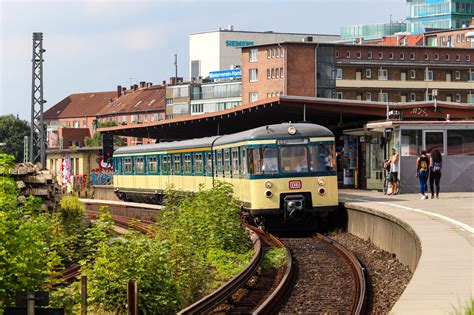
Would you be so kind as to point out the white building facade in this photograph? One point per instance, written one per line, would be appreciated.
(220, 50)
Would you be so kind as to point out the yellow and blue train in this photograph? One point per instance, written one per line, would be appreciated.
(282, 175)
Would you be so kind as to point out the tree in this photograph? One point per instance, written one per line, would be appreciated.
(12, 132)
(96, 141)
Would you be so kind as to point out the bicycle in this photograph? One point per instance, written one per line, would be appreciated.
(387, 185)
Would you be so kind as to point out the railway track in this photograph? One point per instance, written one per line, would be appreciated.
(327, 279)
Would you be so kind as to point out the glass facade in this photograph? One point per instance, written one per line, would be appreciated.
(423, 15)
(372, 30)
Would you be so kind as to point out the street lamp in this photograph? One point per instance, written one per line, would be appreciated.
(435, 94)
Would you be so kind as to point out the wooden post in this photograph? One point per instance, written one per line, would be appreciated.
(83, 295)
(30, 303)
(132, 295)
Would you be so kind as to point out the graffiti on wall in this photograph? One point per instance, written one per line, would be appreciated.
(103, 175)
(66, 170)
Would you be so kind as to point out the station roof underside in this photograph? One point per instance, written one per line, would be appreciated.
(331, 113)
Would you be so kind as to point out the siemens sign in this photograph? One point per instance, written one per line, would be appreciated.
(225, 74)
(238, 43)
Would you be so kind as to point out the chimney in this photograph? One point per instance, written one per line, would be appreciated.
(142, 84)
(163, 82)
(124, 89)
(230, 27)
(150, 84)
(135, 87)
(172, 81)
(119, 90)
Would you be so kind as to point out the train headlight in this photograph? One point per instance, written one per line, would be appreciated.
(291, 130)
(322, 191)
(268, 184)
(321, 181)
(268, 193)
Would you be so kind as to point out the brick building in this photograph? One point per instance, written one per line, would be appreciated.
(358, 72)
(140, 104)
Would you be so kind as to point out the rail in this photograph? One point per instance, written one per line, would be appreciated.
(358, 271)
(207, 303)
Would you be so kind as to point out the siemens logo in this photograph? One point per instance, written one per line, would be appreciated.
(238, 43)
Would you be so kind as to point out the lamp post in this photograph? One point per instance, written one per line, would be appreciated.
(435, 95)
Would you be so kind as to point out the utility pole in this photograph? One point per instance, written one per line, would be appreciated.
(37, 147)
(26, 153)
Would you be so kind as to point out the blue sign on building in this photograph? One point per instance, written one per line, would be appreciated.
(238, 43)
(225, 74)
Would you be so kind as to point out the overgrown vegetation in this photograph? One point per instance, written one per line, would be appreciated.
(96, 139)
(275, 258)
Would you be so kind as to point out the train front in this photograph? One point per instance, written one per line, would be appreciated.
(294, 182)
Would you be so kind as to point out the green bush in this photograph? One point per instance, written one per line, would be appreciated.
(275, 258)
(72, 212)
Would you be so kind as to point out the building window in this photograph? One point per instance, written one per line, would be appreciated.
(359, 55)
(277, 74)
(268, 53)
(253, 54)
(427, 57)
(460, 142)
(380, 55)
(468, 57)
(412, 56)
(277, 55)
(458, 98)
(458, 57)
(339, 95)
(368, 96)
(273, 53)
(413, 74)
(253, 97)
(436, 56)
(412, 97)
(281, 72)
(390, 55)
(383, 74)
(402, 56)
(197, 108)
(253, 75)
(268, 73)
(368, 73)
(471, 76)
(348, 54)
(369, 55)
(447, 57)
(338, 73)
(273, 73)
(337, 53)
(383, 97)
(429, 75)
(281, 52)
(457, 75)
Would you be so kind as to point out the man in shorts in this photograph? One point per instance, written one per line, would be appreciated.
(394, 172)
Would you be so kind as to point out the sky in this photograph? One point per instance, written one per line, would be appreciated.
(95, 45)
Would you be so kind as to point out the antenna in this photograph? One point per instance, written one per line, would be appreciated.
(176, 66)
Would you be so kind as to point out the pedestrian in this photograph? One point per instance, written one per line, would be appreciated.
(394, 172)
(422, 170)
(436, 163)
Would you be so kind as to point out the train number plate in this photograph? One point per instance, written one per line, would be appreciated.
(295, 184)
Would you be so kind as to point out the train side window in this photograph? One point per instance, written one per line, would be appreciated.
(152, 165)
(322, 157)
(177, 164)
(198, 164)
(166, 164)
(187, 164)
(127, 165)
(219, 162)
(243, 160)
(235, 163)
(139, 165)
(227, 162)
(209, 164)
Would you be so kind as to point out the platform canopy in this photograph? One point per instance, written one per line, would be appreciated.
(336, 115)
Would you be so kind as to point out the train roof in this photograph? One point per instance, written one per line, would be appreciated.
(260, 133)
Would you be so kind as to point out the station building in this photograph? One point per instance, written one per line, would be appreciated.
(358, 72)
(220, 50)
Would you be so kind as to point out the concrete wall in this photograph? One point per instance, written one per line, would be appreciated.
(457, 174)
(386, 232)
(104, 193)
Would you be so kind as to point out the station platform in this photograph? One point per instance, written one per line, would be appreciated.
(443, 281)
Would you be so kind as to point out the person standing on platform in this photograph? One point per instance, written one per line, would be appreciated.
(394, 172)
(436, 163)
(422, 170)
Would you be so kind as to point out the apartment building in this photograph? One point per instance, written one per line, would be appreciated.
(358, 72)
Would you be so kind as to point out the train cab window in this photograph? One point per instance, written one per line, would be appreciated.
(187, 164)
(152, 164)
(235, 163)
(177, 164)
(127, 165)
(139, 165)
(209, 164)
(166, 164)
(322, 158)
(243, 161)
(294, 159)
(227, 162)
(263, 161)
(198, 164)
(219, 162)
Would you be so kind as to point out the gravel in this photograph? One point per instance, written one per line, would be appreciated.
(387, 278)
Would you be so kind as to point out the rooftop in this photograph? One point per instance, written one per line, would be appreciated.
(80, 105)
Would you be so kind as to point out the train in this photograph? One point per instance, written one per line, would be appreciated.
(283, 175)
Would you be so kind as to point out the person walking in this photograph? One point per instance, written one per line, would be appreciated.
(436, 163)
(422, 170)
(394, 172)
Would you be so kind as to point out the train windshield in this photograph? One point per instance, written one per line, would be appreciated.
(263, 161)
(322, 157)
(294, 159)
